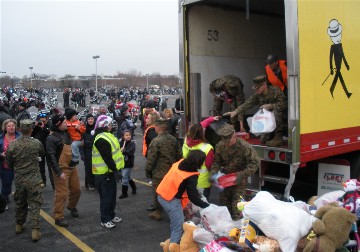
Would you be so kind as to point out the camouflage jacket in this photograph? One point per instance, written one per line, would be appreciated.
(274, 96)
(164, 150)
(232, 84)
(22, 156)
(240, 157)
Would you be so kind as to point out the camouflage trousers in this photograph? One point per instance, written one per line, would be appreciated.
(28, 195)
(230, 197)
(155, 183)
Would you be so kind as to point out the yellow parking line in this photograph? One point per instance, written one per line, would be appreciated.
(142, 182)
(66, 233)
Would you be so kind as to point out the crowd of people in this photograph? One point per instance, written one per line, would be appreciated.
(178, 173)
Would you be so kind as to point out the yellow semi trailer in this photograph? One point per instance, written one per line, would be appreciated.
(320, 40)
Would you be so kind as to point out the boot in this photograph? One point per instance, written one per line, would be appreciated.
(276, 141)
(264, 138)
(35, 235)
(155, 215)
(124, 192)
(174, 247)
(19, 229)
(133, 186)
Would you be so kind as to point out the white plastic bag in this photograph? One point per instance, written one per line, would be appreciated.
(263, 122)
(217, 219)
(202, 236)
(279, 220)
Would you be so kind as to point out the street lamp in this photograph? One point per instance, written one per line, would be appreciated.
(96, 57)
(147, 82)
(31, 68)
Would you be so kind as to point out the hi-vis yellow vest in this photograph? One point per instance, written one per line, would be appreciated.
(98, 164)
(203, 180)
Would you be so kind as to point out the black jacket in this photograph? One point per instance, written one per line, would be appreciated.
(54, 146)
(128, 152)
(41, 134)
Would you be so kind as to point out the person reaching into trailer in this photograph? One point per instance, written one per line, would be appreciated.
(234, 155)
(177, 189)
(270, 98)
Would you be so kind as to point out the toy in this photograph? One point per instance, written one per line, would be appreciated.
(187, 243)
(351, 199)
(332, 228)
(265, 244)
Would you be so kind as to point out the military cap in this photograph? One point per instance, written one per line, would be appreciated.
(26, 124)
(258, 81)
(226, 131)
(161, 122)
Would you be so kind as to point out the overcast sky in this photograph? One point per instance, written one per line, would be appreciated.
(61, 37)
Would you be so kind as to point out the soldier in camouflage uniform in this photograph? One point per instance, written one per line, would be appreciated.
(164, 150)
(270, 98)
(234, 155)
(27, 178)
(229, 89)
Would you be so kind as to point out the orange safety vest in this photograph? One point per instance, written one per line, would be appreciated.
(144, 141)
(169, 186)
(274, 80)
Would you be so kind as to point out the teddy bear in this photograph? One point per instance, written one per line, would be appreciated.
(187, 243)
(332, 228)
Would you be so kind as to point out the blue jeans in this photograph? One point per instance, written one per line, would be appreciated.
(75, 150)
(106, 185)
(7, 177)
(175, 212)
(126, 176)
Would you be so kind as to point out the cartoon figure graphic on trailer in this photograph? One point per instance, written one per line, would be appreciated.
(336, 51)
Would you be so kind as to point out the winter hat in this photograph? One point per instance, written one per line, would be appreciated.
(69, 112)
(22, 104)
(57, 120)
(102, 121)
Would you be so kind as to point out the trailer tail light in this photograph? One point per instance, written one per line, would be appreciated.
(282, 156)
(271, 155)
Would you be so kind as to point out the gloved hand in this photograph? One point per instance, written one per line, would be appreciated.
(118, 176)
(268, 107)
(148, 174)
(239, 178)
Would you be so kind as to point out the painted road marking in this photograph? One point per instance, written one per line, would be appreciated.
(142, 182)
(66, 233)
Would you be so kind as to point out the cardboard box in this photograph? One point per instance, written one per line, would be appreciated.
(248, 233)
(331, 175)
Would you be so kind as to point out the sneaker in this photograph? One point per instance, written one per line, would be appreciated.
(74, 212)
(73, 163)
(108, 224)
(61, 223)
(116, 219)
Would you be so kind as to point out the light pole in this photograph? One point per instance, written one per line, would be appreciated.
(31, 68)
(147, 82)
(96, 57)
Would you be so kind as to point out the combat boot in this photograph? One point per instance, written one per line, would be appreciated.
(155, 215)
(133, 186)
(19, 229)
(276, 141)
(124, 192)
(35, 235)
(264, 138)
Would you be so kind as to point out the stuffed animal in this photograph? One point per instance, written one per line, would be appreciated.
(332, 228)
(351, 198)
(187, 243)
(266, 244)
